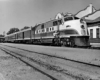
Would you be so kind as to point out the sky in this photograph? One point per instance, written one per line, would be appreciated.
(20, 13)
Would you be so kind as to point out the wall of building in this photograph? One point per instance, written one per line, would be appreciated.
(95, 38)
(94, 30)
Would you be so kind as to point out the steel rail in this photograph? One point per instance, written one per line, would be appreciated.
(55, 56)
(20, 57)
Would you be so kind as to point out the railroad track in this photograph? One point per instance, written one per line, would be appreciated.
(55, 56)
(30, 62)
(82, 47)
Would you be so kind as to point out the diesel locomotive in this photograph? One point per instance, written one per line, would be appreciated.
(67, 30)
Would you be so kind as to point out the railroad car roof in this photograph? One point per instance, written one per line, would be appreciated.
(18, 32)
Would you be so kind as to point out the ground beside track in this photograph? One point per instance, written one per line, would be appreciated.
(84, 55)
(13, 69)
(75, 70)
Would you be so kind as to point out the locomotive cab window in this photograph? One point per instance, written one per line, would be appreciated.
(55, 23)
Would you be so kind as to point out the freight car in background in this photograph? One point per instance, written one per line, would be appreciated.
(68, 31)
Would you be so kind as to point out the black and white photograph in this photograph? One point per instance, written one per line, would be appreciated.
(49, 39)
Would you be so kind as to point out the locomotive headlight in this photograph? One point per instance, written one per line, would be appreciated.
(82, 26)
(68, 26)
(81, 21)
(83, 30)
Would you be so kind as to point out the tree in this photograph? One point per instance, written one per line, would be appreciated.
(26, 27)
(12, 30)
(1, 35)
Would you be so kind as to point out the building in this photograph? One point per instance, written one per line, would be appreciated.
(92, 17)
(88, 10)
(94, 30)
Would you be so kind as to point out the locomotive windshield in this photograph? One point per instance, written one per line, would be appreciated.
(68, 18)
(76, 18)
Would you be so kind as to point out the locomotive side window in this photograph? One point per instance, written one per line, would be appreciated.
(91, 33)
(55, 23)
(42, 30)
(36, 32)
(68, 18)
(47, 29)
(52, 28)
